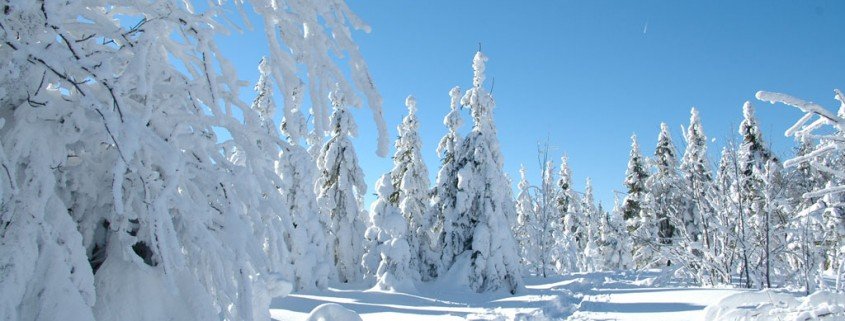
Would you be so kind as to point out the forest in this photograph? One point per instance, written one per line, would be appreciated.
(138, 184)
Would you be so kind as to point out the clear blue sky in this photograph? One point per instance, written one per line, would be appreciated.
(588, 74)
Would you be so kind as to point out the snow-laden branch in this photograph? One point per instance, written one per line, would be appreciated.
(805, 106)
(827, 143)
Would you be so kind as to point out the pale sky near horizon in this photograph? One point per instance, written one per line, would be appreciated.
(587, 74)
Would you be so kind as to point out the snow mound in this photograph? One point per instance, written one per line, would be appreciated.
(137, 292)
(773, 305)
(332, 312)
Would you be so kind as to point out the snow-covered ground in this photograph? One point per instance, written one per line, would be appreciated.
(588, 296)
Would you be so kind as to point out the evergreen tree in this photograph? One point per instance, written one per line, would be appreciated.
(590, 259)
(634, 209)
(665, 191)
(389, 231)
(615, 242)
(752, 157)
(303, 258)
(548, 222)
(445, 192)
(635, 180)
(481, 234)
(697, 217)
(574, 218)
(569, 208)
(565, 195)
(695, 168)
(409, 178)
(566, 247)
(526, 228)
(340, 187)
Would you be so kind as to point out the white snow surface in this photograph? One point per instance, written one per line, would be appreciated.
(578, 296)
(778, 305)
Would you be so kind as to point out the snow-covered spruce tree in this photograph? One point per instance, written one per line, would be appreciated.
(828, 151)
(526, 228)
(389, 230)
(665, 191)
(567, 200)
(548, 218)
(564, 255)
(409, 178)
(590, 259)
(752, 156)
(615, 242)
(574, 221)
(696, 219)
(445, 192)
(484, 247)
(635, 179)
(634, 209)
(339, 191)
(308, 246)
(695, 168)
(301, 255)
(607, 242)
(565, 196)
(120, 200)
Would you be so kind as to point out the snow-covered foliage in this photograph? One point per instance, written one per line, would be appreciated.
(544, 245)
(577, 229)
(526, 225)
(565, 196)
(822, 223)
(484, 207)
(389, 230)
(635, 179)
(444, 195)
(566, 250)
(588, 230)
(725, 247)
(136, 184)
(697, 223)
(548, 225)
(339, 193)
(665, 200)
(129, 155)
(695, 168)
(806, 229)
(614, 241)
(664, 186)
(752, 157)
(298, 248)
(409, 178)
(634, 210)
